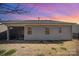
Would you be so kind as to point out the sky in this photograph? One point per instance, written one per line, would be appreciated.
(68, 12)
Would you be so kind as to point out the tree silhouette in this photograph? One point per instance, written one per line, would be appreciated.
(8, 9)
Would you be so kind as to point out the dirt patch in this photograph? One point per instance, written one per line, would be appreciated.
(77, 47)
(29, 49)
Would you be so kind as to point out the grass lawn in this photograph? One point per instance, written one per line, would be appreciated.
(7, 53)
(39, 49)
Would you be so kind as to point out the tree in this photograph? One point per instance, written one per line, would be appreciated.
(8, 9)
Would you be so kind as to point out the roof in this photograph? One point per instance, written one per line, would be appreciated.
(34, 22)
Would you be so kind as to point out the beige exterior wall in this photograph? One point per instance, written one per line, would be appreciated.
(38, 33)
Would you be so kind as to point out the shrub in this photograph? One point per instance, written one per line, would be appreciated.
(41, 41)
(40, 55)
(54, 49)
(22, 47)
(63, 48)
(49, 52)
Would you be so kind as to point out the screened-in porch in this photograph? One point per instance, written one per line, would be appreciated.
(16, 33)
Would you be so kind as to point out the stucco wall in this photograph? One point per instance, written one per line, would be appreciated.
(38, 33)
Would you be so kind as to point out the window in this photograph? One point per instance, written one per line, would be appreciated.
(60, 30)
(29, 30)
(47, 31)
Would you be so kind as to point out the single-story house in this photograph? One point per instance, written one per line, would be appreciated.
(35, 30)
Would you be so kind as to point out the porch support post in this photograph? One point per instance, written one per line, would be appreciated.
(24, 32)
(7, 33)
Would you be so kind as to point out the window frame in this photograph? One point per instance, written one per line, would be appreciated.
(60, 29)
(29, 30)
(47, 31)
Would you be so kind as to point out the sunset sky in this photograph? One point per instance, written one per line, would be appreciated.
(68, 12)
